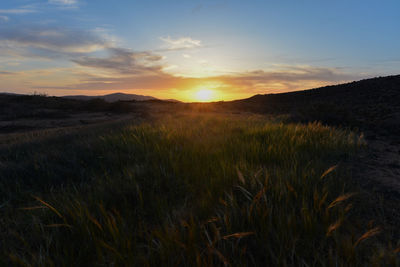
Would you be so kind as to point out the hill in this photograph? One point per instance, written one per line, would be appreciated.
(113, 97)
(36, 112)
(371, 104)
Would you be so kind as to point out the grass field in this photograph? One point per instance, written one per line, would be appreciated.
(186, 190)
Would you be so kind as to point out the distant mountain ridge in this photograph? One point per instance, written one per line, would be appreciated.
(113, 97)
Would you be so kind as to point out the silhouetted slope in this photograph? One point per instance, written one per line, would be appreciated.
(367, 103)
(14, 107)
(113, 97)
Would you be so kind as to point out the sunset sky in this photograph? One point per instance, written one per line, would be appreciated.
(194, 50)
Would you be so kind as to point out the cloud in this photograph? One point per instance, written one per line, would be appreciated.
(64, 2)
(49, 41)
(123, 61)
(4, 18)
(6, 73)
(293, 74)
(181, 43)
(288, 78)
(17, 11)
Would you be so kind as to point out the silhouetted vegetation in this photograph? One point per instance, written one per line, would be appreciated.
(39, 106)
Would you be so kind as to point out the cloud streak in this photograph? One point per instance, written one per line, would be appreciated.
(289, 78)
(181, 43)
(17, 11)
(63, 2)
(123, 61)
(290, 74)
(6, 73)
(50, 41)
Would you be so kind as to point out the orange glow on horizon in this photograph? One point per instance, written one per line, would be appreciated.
(210, 89)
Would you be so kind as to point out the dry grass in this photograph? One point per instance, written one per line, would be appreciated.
(199, 190)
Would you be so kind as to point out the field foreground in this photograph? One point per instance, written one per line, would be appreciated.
(188, 190)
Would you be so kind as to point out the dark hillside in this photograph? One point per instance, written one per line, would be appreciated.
(34, 112)
(367, 104)
(112, 97)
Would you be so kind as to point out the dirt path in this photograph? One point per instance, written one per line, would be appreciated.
(377, 172)
(381, 163)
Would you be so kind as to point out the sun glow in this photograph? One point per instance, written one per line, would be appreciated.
(204, 95)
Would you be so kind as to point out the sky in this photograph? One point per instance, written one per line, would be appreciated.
(194, 50)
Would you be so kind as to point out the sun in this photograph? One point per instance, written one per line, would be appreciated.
(204, 95)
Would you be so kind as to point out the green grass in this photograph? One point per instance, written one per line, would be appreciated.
(186, 190)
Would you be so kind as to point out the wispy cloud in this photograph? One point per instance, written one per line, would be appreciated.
(293, 74)
(4, 18)
(50, 41)
(288, 78)
(6, 73)
(64, 2)
(180, 43)
(17, 11)
(123, 61)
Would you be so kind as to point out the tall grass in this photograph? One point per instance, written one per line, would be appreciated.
(186, 190)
